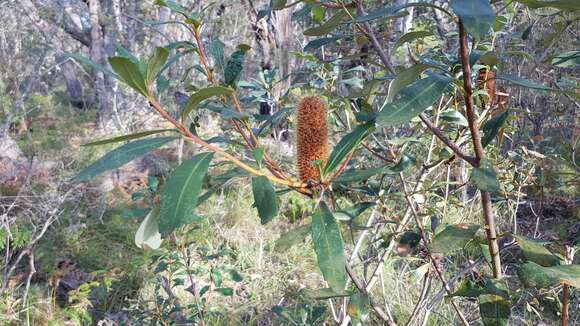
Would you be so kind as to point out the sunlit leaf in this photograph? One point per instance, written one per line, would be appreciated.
(536, 252)
(265, 198)
(148, 236)
(454, 117)
(495, 309)
(485, 178)
(453, 238)
(536, 276)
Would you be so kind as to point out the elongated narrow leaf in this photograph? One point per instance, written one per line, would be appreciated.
(327, 26)
(558, 4)
(202, 95)
(411, 36)
(536, 276)
(495, 308)
(453, 238)
(346, 145)
(329, 248)
(358, 175)
(292, 237)
(492, 127)
(567, 59)
(130, 73)
(82, 59)
(265, 198)
(533, 85)
(352, 212)
(148, 236)
(536, 252)
(485, 178)
(121, 156)
(156, 63)
(469, 289)
(405, 78)
(477, 16)
(216, 50)
(396, 11)
(358, 308)
(413, 100)
(454, 117)
(127, 137)
(315, 44)
(326, 293)
(180, 193)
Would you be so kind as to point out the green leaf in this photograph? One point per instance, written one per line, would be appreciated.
(147, 235)
(265, 198)
(413, 100)
(180, 193)
(174, 6)
(225, 291)
(558, 4)
(203, 95)
(485, 178)
(453, 237)
(468, 289)
(329, 248)
(315, 44)
(567, 59)
(358, 175)
(121, 156)
(216, 50)
(318, 13)
(278, 4)
(347, 145)
(533, 85)
(495, 309)
(156, 63)
(492, 127)
(327, 26)
(326, 293)
(82, 59)
(358, 308)
(352, 212)
(292, 237)
(536, 276)
(127, 137)
(410, 37)
(258, 154)
(478, 16)
(454, 117)
(129, 73)
(394, 11)
(536, 252)
(235, 65)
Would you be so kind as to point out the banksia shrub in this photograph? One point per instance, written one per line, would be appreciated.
(312, 137)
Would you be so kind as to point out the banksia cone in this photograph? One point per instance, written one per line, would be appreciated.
(312, 143)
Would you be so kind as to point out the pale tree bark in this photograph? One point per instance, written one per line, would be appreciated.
(97, 55)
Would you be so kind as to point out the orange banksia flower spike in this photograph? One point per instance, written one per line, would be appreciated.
(312, 137)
